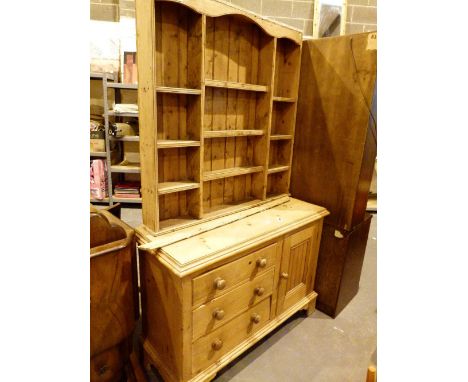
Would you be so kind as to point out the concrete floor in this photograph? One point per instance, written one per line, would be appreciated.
(316, 348)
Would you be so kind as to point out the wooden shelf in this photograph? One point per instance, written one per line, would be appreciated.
(171, 187)
(231, 133)
(100, 76)
(105, 200)
(98, 154)
(284, 99)
(230, 172)
(113, 113)
(126, 200)
(277, 168)
(180, 221)
(168, 89)
(235, 85)
(126, 168)
(173, 143)
(280, 137)
(120, 85)
(126, 138)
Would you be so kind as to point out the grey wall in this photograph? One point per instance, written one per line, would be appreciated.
(296, 13)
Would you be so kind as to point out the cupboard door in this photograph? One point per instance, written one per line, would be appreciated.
(298, 265)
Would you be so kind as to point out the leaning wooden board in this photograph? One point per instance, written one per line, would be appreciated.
(209, 297)
(336, 138)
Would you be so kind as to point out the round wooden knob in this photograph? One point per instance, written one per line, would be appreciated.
(219, 283)
(284, 275)
(261, 263)
(217, 344)
(259, 291)
(255, 318)
(218, 314)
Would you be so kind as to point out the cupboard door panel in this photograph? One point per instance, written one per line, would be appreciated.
(298, 264)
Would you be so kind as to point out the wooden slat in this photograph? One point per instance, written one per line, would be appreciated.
(126, 200)
(126, 168)
(173, 143)
(113, 113)
(220, 72)
(171, 187)
(100, 154)
(126, 138)
(119, 85)
(231, 133)
(235, 85)
(168, 89)
(228, 172)
(279, 137)
(284, 99)
(277, 168)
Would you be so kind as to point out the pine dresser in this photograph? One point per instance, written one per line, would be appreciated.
(211, 291)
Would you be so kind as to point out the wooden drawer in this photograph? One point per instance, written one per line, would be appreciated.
(217, 312)
(210, 348)
(223, 279)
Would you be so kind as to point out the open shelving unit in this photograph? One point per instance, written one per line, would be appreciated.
(108, 78)
(217, 101)
(117, 166)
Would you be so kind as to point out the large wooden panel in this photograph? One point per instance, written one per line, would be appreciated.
(335, 146)
(339, 266)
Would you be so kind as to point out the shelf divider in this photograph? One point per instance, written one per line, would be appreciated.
(169, 89)
(235, 85)
(277, 168)
(119, 85)
(230, 172)
(126, 168)
(171, 187)
(280, 137)
(231, 133)
(284, 99)
(126, 138)
(174, 143)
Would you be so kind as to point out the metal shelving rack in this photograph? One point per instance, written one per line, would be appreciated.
(108, 82)
(101, 154)
(111, 168)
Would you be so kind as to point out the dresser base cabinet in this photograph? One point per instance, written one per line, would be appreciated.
(208, 298)
(339, 266)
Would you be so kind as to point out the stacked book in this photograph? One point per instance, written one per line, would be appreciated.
(128, 190)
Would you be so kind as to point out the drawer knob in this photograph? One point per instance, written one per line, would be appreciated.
(218, 314)
(259, 291)
(219, 283)
(255, 318)
(261, 263)
(284, 275)
(217, 344)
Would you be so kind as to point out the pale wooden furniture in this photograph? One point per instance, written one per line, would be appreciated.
(217, 94)
(211, 292)
(113, 295)
(334, 154)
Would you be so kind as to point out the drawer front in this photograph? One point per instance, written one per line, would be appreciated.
(223, 279)
(217, 312)
(210, 348)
